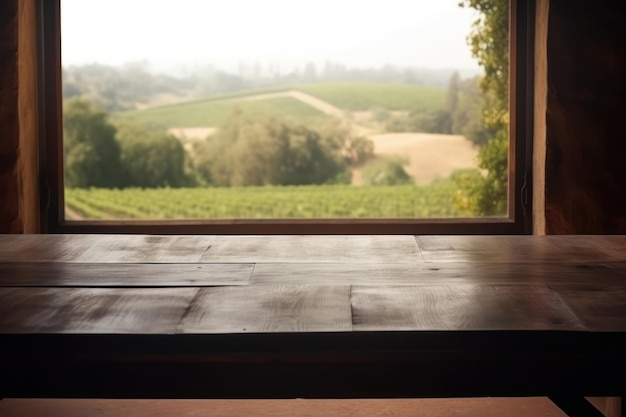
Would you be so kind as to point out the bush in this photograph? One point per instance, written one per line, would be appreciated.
(386, 171)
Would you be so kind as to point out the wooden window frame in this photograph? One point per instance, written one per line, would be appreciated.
(519, 220)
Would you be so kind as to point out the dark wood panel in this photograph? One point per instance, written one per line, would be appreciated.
(599, 307)
(270, 309)
(95, 310)
(516, 249)
(460, 307)
(55, 274)
(324, 249)
(385, 273)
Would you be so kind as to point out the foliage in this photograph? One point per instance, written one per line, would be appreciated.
(490, 187)
(467, 120)
(270, 202)
(152, 158)
(259, 149)
(355, 150)
(452, 93)
(92, 154)
(362, 96)
(489, 43)
(462, 114)
(386, 171)
(425, 121)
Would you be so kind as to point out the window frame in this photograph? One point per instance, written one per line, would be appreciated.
(521, 104)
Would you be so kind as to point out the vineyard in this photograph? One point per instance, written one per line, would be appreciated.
(270, 202)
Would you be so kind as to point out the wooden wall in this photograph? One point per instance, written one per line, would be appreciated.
(19, 202)
(586, 118)
(585, 140)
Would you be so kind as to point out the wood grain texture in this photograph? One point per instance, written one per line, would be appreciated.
(322, 249)
(94, 310)
(102, 248)
(270, 309)
(434, 273)
(62, 274)
(516, 249)
(44, 248)
(145, 248)
(599, 307)
(460, 307)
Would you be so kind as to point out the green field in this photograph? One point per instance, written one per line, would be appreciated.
(270, 202)
(213, 112)
(350, 96)
(366, 96)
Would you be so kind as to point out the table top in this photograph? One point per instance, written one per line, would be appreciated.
(138, 316)
(264, 284)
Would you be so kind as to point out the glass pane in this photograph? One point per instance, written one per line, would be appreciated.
(278, 109)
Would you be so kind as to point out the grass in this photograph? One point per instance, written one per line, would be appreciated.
(350, 96)
(360, 96)
(212, 112)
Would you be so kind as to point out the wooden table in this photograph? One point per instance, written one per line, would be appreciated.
(113, 316)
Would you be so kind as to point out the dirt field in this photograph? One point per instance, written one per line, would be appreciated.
(430, 156)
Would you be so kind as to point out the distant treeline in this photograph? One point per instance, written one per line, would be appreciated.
(126, 87)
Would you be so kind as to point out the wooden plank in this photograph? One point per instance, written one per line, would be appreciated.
(62, 274)
(460, 307)
(102, 248)
(270, 309)
(614, 407)
(516, 249)
(44, 248)
(386, 273)
(95, 310)
(145, 248)
(323, 249)
(599, 307)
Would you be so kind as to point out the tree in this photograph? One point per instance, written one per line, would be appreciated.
(152, 158)
(467, 119)
(489, 44)
(259, 149)
(355, 150)
(92, 154)
(425, 121)
(452, 93)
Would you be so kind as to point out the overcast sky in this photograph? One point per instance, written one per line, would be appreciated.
(359, 33)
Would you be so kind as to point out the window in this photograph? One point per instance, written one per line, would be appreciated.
(55, 86)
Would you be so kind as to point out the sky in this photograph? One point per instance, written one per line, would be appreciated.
(286, 33)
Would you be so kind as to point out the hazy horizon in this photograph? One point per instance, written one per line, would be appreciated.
(278, 34)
